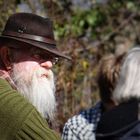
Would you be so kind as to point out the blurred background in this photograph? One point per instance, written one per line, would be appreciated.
(86, 30)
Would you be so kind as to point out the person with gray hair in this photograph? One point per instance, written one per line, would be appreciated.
(83, 125)
(128, 86)
(123, 121)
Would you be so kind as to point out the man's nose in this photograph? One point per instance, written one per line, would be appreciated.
(47, 64)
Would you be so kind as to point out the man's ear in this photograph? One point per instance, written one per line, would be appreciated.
(4, 53)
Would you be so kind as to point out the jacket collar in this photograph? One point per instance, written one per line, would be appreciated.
(119, 118)
(4, 75)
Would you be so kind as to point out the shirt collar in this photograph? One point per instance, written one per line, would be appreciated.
(5, 75)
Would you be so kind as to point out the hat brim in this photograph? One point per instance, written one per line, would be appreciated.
(47, 47)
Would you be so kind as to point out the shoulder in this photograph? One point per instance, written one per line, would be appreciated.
(78, 122)
(36, 128)
(92, 115)
(19, 118)
(82, 125)
(86, 117)
(78, 128)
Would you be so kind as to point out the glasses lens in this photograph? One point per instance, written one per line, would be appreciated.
(55, 60)
(41, 55)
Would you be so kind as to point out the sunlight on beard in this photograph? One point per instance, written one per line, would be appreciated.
(38, 89)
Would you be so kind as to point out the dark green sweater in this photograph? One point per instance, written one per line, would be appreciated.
(19, 120)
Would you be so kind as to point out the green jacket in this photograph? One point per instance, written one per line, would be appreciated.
(19, 120)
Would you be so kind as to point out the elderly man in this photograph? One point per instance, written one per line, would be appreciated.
(27, 54)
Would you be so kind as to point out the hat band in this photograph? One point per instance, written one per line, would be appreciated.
(29, 36)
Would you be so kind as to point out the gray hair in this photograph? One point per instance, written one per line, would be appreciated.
(128, 85)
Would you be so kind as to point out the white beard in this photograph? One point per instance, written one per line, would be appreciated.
(38, 89)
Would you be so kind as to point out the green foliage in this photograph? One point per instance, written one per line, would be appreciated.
(6, 8)
(93, 21)
(80, 22)
(88, 35)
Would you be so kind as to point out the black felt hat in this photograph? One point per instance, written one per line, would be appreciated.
(31, 30)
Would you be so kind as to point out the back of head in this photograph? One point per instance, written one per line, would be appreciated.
(128, 86)
(109, 70)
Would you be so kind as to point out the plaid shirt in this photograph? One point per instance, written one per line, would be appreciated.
(83, 126)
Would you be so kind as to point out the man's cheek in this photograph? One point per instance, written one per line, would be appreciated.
(31, 67)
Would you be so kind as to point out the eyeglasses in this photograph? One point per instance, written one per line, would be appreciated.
(40, 55)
